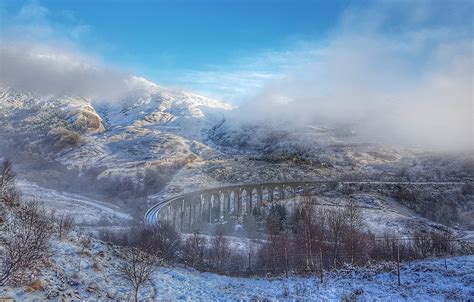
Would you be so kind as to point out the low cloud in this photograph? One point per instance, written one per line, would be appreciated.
(40, 53)
(52, 71)
(398, 73)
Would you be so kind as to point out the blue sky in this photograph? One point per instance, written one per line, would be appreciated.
(192, 34)
(167, 41)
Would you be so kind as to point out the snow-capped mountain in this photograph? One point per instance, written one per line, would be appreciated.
(155, 142)
(149, 123)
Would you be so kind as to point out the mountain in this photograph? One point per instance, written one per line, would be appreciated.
(142, 126)
(139, 140)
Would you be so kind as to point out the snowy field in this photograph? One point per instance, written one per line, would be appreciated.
(86, 211)
(91, 274)
(421, 281)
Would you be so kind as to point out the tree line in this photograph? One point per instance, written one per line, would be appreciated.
(307, 240)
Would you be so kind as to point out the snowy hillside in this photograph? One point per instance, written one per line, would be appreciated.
(135, 128)
(89, 271)
(63, 144)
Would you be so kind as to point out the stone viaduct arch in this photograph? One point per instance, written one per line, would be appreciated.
(219, 204)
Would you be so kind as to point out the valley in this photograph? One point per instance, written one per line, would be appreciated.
(179, 164)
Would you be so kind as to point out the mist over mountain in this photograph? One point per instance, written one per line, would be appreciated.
(391, 85)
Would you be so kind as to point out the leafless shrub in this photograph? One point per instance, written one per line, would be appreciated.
(162, 240)
(194, 249)
(119, 238)
(442, 242)
(85, 242)
(106, 235)
(237, 263)
(422, 244)
(26, 241)
(65, 224)
(8, 192)
(336, 227)
(136, 268)
(219, 251)
(11, 197)
(383, 247)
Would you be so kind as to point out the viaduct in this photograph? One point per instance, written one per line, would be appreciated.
(218, 204)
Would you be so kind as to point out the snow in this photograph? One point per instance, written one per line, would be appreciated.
(421, 281)
(91, 273)
(84, 210)
(150, 124)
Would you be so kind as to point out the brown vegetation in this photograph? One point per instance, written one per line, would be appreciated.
(26, 241)
(136, 268)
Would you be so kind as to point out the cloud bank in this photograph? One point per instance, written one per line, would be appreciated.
(47, 71)
(40, 53)
(398, 73)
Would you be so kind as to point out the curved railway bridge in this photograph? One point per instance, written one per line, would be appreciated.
(215, 205)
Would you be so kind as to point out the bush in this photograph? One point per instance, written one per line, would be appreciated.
(162, 240)
(26, 241)
(64, 224)
(194, 250)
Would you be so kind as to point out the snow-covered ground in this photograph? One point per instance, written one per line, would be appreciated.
(421, 281)
(84, 210)
(91, 273)
(381, 214)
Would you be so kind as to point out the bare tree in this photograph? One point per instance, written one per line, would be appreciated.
(65, 224)
(273, 253)
(220, 250)
(8, 192)
(353, 216)
(26, 241)
(336, 224)
(137, 268)
(7, 176)
(194, 249)
(306, 234)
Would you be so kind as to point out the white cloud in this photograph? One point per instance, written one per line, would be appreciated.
(395, 75)
(244, 76)
(40, 53)
(227, 85)
(54, 71)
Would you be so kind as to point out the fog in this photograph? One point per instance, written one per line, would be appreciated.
(50, 70)
(408, 82)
